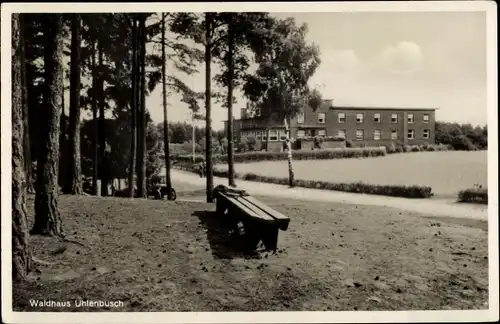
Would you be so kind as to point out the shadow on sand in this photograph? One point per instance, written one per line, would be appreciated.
(224, 243)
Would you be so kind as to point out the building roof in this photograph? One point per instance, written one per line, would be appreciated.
(382, 108)
(334, 107)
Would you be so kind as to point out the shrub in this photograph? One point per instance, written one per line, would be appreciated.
(241, 146)
(224, 145)
(415, 148)
(348, 144)
(251, 143)
(326, 154)
(318, 142)
(357, 187)
(188, 147)
(390, 148)
(474, 195)
(462, 143)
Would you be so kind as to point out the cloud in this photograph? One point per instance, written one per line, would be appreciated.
(340, 61)
(404, 58)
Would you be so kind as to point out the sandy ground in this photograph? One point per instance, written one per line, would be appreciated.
(435, 207)
(155, 255)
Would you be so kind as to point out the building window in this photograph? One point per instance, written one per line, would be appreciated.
(377, 134)
(427, 133)
(301, 133)
(321, 132)
(360, 134)
(360, 118)
(394, 118)
(410, 119)
(300, 118)
(426, 118)
(321, 118)
(258, 136)
(411, 134)
(273, 135)
(376, 118)
(243, 134)
(394, 134)
(341, 133)
(264, 135)
(282, 135)
(341, 118)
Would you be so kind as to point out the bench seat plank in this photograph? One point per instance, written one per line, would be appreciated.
(249, 211)
(281, 220)
(255, 209)
(274, 213)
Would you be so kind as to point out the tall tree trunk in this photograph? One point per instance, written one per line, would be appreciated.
(102, 134)
(230, 76)
(138, 107)
(208, 107)
(142, 120)
(95, 146)
(21, 253)
(166, 140)
(73, 181)
(133, 107)
(62, 142)
(47, 217)
(291, 175)
(26, 127)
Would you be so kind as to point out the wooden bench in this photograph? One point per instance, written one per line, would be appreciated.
(260, 222)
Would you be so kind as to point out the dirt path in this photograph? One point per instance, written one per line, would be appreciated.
(433, 207)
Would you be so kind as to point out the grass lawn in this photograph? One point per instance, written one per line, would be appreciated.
(171, 256)
(446, 172)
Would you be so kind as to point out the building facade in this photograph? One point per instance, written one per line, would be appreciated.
(363, 126)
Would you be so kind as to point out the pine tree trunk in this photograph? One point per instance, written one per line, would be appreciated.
(26, 127)
(73, 181)
(102, 134)
(21, 253)
(208, 98)
(142, 119)
(291, 175)
(138, 109)
(133, 107)
(166, 139)
(95, 146)
(230, 76)
(47, 217)
(62, 143)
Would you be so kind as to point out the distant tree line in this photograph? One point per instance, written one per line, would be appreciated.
(462, 137)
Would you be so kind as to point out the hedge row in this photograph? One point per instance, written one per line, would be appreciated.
(357, 187)
(325, 154)
(392, 148)
(474, 195)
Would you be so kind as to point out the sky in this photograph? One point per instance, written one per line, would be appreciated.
(382, 59)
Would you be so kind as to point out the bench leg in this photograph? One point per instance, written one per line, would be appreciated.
(270, 238)
(252, 236)
(219, 206)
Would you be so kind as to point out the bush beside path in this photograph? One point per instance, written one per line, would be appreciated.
(437, 207)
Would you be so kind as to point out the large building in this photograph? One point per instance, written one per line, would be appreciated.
(363, 126)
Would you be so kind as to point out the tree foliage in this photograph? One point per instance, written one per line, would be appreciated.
(286, 63)
(462, 137)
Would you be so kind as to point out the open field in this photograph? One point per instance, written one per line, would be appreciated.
(171, 256)
(446, 172)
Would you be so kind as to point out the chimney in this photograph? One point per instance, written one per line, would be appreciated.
(328, 102)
